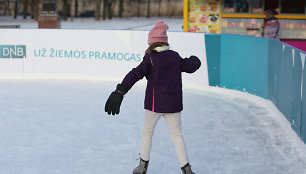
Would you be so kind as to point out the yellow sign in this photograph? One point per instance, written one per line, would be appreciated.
(202, 16)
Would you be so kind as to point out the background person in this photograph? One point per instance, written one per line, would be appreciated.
(270, 26)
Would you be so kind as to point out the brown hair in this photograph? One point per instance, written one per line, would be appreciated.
(151, 47)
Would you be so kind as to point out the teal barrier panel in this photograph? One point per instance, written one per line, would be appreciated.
(212, 44)
(284, 82)
(243, 64)
(303, 119)
(296, 109)
(273, 63)
(286, 90)
(264, 67)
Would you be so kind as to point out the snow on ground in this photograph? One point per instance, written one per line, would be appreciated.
(175, 23)
(59, 127)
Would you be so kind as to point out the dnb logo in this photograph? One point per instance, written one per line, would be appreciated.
(12, 51)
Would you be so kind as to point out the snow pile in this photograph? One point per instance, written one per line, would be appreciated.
(175, 23)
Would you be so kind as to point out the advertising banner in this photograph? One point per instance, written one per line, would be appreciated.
(202, 16)
(87, 54)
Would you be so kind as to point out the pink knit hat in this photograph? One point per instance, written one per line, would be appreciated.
(158, 33)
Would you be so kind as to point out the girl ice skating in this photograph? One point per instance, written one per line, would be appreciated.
(162, 68)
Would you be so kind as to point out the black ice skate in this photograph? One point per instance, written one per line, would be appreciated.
(187, 169)
(142, 168)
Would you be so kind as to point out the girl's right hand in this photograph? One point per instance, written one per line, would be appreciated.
(113, 103)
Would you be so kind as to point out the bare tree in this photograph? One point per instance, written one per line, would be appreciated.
(159, 5)
(76, 8)
(98, 10)
(110, 12)
(107, 5)
(34, 9)
(25, 8)
(173, 9)
(138, 8)
(7, 7)
(65, 9)
(120, 8)
(15, 9)
(148, 8)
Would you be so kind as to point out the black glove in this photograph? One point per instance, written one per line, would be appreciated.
(195, 58)
(114, 101)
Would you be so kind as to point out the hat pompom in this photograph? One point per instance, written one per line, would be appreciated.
(161, 25)
(159, 22)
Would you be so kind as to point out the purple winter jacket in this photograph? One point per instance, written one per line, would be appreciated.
(164, 80)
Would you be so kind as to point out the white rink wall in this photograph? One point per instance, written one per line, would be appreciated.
(87, 54)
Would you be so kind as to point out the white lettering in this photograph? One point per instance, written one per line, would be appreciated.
(12, 51)
(20, 52)
(6, 51)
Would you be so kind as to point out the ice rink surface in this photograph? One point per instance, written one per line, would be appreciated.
(60, 127)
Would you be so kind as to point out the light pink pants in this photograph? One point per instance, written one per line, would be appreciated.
(173, 121)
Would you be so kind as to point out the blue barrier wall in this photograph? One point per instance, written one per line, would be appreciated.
(284, 84)
(244, 64)
(264, 67)
(213, 43)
